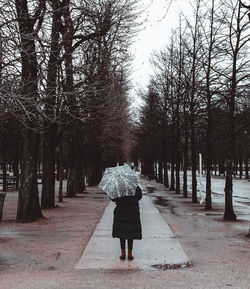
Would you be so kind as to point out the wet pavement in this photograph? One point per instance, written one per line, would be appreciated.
(158, 248)
(44, 254)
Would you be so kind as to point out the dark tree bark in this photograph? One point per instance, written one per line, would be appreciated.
(71, 168)
(209, 154)
(4, 165)
(193, 161)
(160, 172)
(192, 102)
(240, 161)
(165, 168)
(75, 184)
(28, 200)
(177, 172)
(16, 165)
(149, 168)
(49, 146)
(95, 173)
(245, 154)
(29, 208)
(177, 124)
(209, 114)
(48, 188)
(185, 164)
(156, 176)
(222, 167)
(229, 212)
(173, 155)
(177, 148)
(172, 180)
(246, 167)
(61, 174)
(79, 177)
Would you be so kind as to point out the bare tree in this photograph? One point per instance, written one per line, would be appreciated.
(237, 37)
(28, 200)
(210, 61)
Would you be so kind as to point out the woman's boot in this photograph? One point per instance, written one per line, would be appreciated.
(130, 256)
(122, 257)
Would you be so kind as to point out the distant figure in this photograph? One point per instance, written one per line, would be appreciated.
(127, 222)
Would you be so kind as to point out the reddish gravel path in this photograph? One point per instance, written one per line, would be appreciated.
(43, 254)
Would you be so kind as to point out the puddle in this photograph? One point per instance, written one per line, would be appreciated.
(150, 189)
(161, 202)
(213, 214)
(241, 198)
(204, 214)
(244, 203)
(171, 266)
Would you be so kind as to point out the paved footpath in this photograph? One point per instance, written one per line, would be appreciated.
(157, 249)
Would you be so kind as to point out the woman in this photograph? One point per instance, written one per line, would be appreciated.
(127, 223)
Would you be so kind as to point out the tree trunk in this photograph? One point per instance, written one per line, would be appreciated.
(143, 168)
(209, 157)
(57, 169)
(229, 212)
(149, 169)
(156, 175)
(83, 177)
(95, 174)
(194, 163)
(60, 191)
(177, 174)
(165, 168)
(16, 165)
(28, 208)
(221, 167)
(177, 153)
(172, 183)
(4, 165)
(61, 175)
(246, 168)
(71, 183)
(241, 162)
(48, 188)
(79, 178)
(160, 172)
(185, 165)
(72, 160)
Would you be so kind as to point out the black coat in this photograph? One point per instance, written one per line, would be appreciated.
(127, 223)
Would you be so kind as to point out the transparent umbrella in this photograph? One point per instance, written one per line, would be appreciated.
(120, 181)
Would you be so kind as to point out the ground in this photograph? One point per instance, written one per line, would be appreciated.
(43, 254)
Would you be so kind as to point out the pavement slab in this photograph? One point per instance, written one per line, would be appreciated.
(158, 248)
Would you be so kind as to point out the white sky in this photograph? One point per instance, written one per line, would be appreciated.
(161, 16)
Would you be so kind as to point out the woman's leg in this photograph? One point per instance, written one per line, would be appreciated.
(130, 248)
(122, 243)
(130, 244)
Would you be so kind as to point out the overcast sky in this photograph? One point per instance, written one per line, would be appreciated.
(161, 17)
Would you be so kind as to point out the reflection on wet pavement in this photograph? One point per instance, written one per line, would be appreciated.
(161, 202)
(150, 190)
(171, 266)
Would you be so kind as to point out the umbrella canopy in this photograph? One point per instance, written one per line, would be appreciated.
(120, 181)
